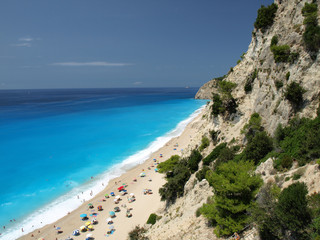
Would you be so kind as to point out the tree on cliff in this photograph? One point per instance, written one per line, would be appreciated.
(235, 187)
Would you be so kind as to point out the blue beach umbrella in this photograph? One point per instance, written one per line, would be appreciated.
(83, 215)
(112, 193)
(112, 213)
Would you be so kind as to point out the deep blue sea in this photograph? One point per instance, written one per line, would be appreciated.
(55, 144)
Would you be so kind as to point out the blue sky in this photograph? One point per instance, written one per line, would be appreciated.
(121, 43)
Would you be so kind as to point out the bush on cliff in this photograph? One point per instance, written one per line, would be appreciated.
(265, 17)
(214, 154)
(168, 165)
(235, 187)
(294, 93)
(193, 160)
(174, 187)
(311, 36)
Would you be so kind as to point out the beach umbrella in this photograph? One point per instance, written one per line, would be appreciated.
(117, 197)
(83, 228)
(83, 215)
(88, 223)
(58, 228)
(111, 227)
(112, 213)
(90, 227)
(89, 235)
(132, 194)
(142, 174)
(106, 195)
(156, 169)
(120, 188)
(99, 208)
(109, 220)
(75, 232)
(112, 193)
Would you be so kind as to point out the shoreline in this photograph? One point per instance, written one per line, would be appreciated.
(72, 220)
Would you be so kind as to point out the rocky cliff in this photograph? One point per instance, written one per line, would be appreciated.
(265, 98)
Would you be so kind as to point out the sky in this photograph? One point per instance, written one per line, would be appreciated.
(121, 43)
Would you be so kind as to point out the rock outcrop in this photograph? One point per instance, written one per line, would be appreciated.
(179, 221)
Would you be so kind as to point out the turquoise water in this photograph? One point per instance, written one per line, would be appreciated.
(56, 144)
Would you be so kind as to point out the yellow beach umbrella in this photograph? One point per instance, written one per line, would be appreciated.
(90, 227)
(88, 223)
(83, 229)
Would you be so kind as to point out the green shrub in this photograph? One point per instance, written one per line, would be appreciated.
(309, 9)
(250, 80)
(300, 139)
(214, 154)
(200, 175)
(311, 36)
(252, 127)
(168, 165)
(281, 53)
(287, 76)
(198, 212)
(287, 179)
(259, 147)
(294, 93)
(293, 57)
(204, 143)
(292, 209)
(235, 188)
(138, 234)
(217, 106)
(174, 187)
(296, 176)
(279, 84)
(274, 40)
(286, 161)
(226, 87)
(265, 17)
(226, 154)
(214, 135)
(193, 160)
(152, 219)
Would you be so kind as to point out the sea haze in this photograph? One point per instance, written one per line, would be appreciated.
(56, 144)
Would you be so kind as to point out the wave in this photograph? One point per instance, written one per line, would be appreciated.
(73, 199)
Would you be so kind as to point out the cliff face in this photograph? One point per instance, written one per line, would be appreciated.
(265, 98)
(179, 220)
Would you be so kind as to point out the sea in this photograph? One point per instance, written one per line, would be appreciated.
(58, 144)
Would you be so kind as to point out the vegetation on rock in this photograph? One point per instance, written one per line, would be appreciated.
(265, 17)
(205, 142)
(235, 187)
(249, 82)
(311, 36)
(294, 93)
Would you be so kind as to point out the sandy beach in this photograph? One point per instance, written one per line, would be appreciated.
(141, 208)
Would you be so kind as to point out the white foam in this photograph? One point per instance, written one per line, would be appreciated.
(69, 202)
